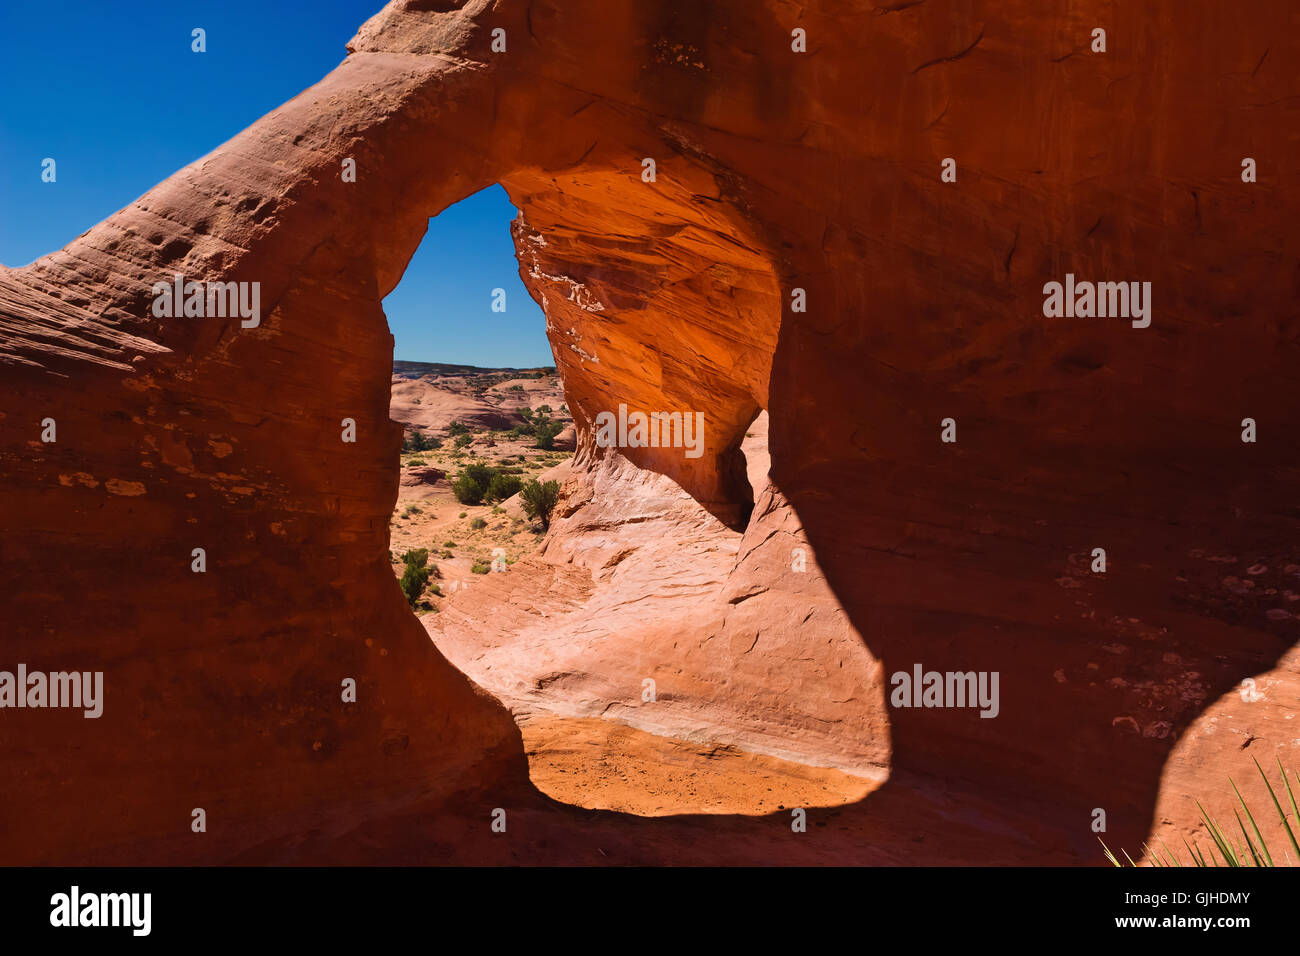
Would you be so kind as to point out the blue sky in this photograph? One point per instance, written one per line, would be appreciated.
(112, 92)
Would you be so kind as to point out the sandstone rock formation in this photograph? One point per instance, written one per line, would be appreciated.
(776, 171)
(432, 402)
(638, 582)
(422, 475)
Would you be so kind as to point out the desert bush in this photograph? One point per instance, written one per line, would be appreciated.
(478, 567)
(477, 524)
(539, 500)
(478, 482)
(416, 440)
(502, 486)
(480, 472)
(467, 490)
(546, 434)
(416, 575)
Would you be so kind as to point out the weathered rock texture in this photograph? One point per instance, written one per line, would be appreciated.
(638, 582)
(776, 170)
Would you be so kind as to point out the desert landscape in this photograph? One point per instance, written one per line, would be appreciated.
(564, 639)
(473, 417)
(359, 609)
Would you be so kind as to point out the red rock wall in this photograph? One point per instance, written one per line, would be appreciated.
(778, 170)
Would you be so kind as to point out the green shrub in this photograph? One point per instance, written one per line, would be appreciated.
(416, 575)
(478, 482)
(479, 472)
(502, 486)
(477, 524)
(467, 490)
(546, 434)
(416, 440)
(478, 567)
(457, 428)
(539, 500)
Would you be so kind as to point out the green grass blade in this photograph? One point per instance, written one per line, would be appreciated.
(1110, 856)
(1291, 793)
(1173, 860)
(1197, 858)
(1249, 845)
(1263, 845)
(1229, 854)
(1277, 803)
(1214, 857)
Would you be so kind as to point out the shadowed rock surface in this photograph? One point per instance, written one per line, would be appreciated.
(775, 171)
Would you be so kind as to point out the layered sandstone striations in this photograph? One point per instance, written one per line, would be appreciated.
(776, 171)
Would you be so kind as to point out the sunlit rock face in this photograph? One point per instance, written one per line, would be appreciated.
(781, 177)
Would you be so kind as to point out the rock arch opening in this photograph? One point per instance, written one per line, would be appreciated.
(632, 635)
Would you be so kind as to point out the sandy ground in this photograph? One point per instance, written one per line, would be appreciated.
(605, 765)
